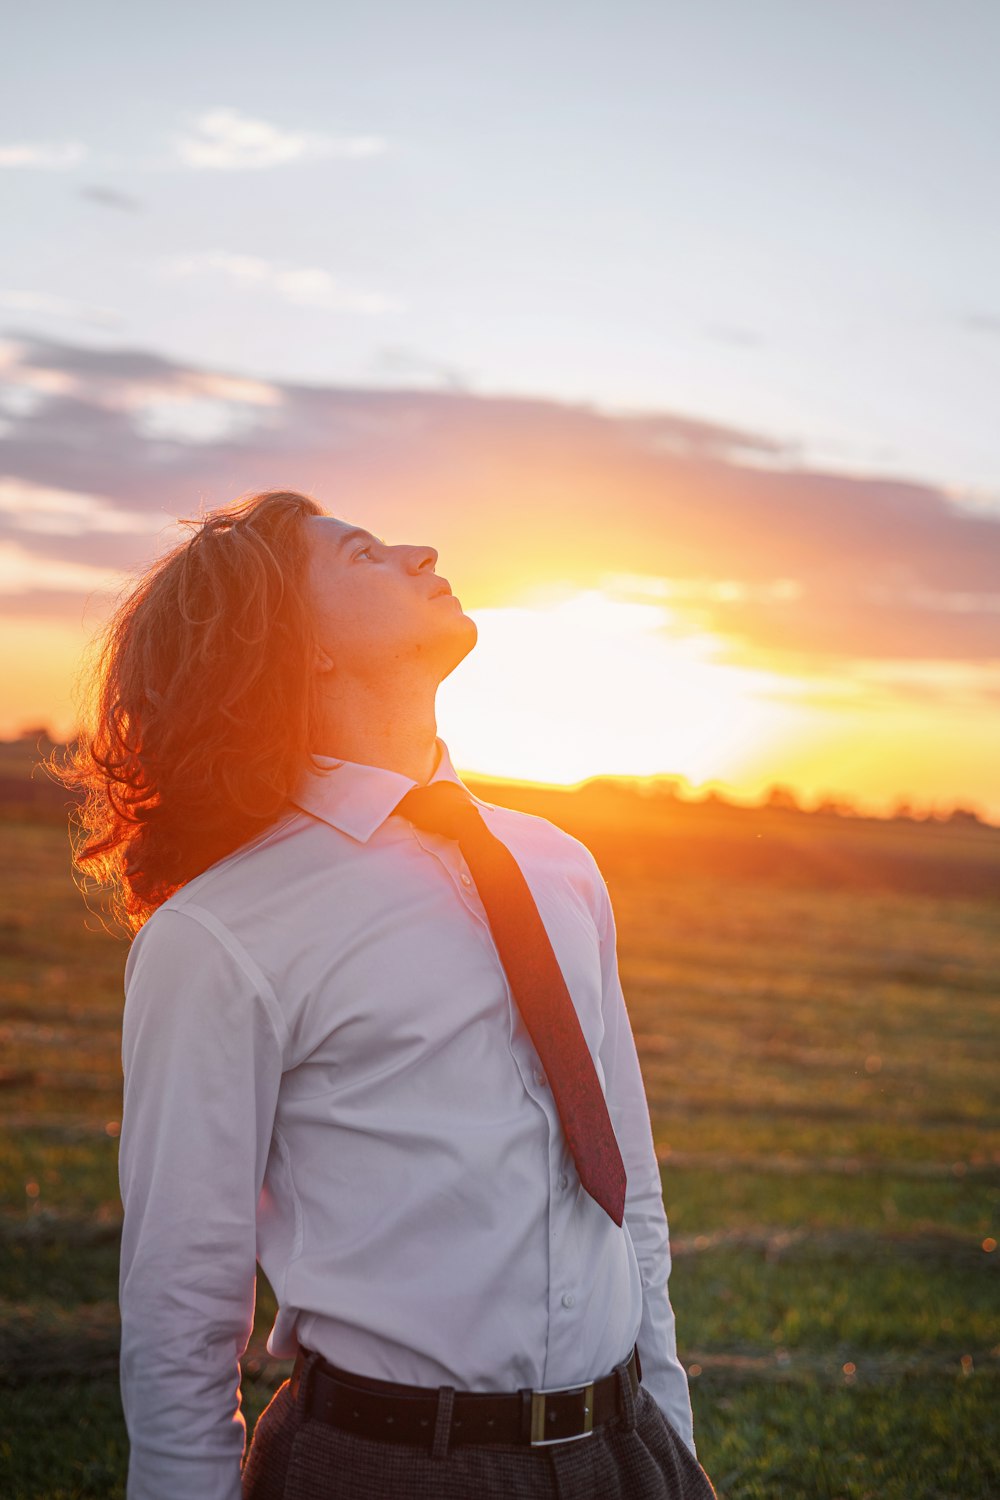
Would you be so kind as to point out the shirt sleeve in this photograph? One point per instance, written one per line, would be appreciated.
(202, 1062)
(662, 1372)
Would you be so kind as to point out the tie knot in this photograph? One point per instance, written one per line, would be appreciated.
(442, 807)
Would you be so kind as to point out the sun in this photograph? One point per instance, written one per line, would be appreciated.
(588, 684)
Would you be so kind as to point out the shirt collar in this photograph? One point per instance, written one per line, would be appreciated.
(357, 799)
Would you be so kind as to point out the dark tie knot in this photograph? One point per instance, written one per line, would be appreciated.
(442, 807)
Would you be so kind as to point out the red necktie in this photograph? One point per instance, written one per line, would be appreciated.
(537, 982)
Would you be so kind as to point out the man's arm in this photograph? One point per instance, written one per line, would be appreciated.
(662, 1372)
(202, 1059)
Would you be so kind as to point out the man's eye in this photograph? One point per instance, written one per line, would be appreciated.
(362, 552)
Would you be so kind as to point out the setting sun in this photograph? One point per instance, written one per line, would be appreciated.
(585, 683)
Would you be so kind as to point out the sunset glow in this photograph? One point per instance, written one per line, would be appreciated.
(589, 683)
(703, 433)
(567, 683)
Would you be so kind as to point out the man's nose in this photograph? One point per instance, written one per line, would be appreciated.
(422, 557)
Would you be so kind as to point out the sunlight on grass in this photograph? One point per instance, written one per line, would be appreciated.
(821, 1067)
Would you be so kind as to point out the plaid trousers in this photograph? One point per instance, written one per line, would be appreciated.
(638, 1456)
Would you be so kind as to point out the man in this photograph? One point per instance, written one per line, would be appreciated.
(339, 1061)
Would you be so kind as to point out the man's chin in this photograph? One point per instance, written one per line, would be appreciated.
(457, 648)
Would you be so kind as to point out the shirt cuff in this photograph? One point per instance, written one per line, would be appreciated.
(158, 1476)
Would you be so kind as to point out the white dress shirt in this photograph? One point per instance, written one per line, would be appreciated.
(325, 1070)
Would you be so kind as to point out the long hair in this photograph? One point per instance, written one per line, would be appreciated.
(201, 704)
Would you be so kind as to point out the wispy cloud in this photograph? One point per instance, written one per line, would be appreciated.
(225, 140)
(815, 571)
(45, 511)
(43, 155)
(709, 590)
(24, 573)
(45, 305)
(159, 400)
(418, 369)
(119, 380)
(982, 322)
(107, 197)
(307, 286)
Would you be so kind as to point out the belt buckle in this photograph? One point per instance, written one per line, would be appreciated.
(538, 1440)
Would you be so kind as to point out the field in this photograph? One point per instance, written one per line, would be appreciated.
(820, 1055)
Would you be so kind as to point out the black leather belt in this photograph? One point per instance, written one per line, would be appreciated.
(408, 1413)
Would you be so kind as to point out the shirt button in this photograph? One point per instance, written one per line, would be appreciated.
(540, 1078)
(568, 1299)
(564, 1181)
(466, 879)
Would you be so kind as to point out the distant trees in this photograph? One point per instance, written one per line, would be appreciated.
(834, 808)
(781, 796)
(904, 810)
(657, 792)
(38, 734)
(963, 815)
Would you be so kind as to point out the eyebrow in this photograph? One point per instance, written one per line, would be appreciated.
(355, 534)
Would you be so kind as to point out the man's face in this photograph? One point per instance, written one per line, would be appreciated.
(376, 607)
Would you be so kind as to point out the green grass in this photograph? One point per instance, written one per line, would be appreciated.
(838, 1301)
(64, 1273)
(922, 1439)
(822, 1073)
(72, 1176)
(703, 1200)
(63, 1440)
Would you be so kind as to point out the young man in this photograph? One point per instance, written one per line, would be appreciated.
(374, 1037)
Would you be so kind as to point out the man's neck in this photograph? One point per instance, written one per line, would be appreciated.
(414, 754)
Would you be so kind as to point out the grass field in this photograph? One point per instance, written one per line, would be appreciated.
(821, 1064)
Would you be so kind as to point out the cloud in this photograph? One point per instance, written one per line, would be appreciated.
(107, 197)
(418, 369)
(44, 305)
(982, 322)
(712, 590)
(44, 156)
(225, 140)
(22, 574)
(31, 507)
(817, 571)
(120, 379)
(308, 286)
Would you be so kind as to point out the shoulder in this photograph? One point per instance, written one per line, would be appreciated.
(533, 828)
(212, 920)
(187, 972)
(561, 853)
(240, 895)
(258, 859)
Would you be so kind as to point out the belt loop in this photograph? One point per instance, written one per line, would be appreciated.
(442, 1424)
(627, 1397)
(305, 1363)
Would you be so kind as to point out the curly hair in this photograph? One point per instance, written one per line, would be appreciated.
(201, 706)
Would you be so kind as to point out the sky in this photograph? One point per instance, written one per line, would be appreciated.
(675, 329)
